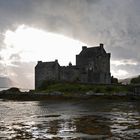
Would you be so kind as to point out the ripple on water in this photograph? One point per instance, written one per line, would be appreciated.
(87, 120)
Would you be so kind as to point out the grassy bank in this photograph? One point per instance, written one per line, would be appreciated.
(68, 91)
(83, 88)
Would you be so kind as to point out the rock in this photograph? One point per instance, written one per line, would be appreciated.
(90, 93)
(56, 93)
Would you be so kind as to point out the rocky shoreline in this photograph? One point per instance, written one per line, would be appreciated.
(16, 94)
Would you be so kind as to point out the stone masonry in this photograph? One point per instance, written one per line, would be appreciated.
(92, 66)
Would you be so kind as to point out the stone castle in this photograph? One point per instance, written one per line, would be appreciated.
(92, 66)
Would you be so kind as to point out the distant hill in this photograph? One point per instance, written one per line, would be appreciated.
(5, 82)
(127, 80)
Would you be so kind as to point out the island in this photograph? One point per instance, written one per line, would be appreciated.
(89, 78)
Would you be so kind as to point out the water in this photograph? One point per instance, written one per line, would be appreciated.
(70, 120)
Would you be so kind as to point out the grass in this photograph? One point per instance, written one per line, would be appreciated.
(82, 88)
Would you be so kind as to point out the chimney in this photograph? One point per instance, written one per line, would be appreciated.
(101, 45)
(56, 60)
(39, 62)
(84, 47)
(70, 64)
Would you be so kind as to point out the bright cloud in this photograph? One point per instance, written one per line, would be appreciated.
(26, 45)
(33, 44)
(123, 62)
(120, 73)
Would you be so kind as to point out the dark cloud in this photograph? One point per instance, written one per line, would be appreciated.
(92, 1)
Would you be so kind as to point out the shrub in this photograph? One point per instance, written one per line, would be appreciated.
(135, 80)
(13, 89)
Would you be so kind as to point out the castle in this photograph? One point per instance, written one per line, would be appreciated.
(92, 66)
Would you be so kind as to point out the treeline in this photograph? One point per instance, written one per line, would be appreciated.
(135, 80)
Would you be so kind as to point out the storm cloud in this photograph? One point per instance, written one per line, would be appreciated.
(112, 22)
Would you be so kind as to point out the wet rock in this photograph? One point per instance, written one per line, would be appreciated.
(56, 93)
(90, 93)
(90, 125)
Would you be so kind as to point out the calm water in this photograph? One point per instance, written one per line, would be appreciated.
(70, 120)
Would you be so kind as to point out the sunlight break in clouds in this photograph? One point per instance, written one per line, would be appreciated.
(32, 44)
(26, 45)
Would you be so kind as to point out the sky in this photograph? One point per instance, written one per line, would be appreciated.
(32, 30)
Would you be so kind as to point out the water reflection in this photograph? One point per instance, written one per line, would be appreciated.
(76, 120)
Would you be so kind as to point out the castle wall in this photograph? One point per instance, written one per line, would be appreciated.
(97, 62)
(96, 65)
(69, 73)
(103, 63)
(81, 61)
(92, 66)
(46, 71)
